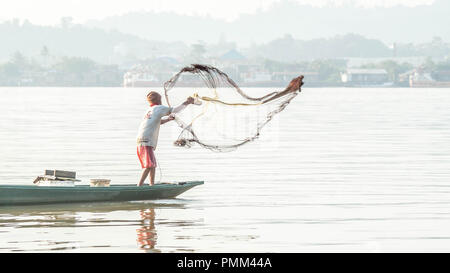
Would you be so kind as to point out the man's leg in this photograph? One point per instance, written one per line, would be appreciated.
(152, 176)
(145, 173)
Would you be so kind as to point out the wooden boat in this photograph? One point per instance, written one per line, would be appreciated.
(32, 195)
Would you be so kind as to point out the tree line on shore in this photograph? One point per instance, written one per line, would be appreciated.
(65, 71)
(82, 71)
(79, 55)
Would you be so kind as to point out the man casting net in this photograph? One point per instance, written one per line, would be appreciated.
(227, 117)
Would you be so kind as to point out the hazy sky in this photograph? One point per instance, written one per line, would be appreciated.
(49, 12)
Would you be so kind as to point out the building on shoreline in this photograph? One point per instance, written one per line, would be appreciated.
(365, 77)
(245, 75)
(139, 76)
(421, 78)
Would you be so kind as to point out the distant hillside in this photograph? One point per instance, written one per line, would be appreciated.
(397, 24)
(76, 40)
(44, 43)
(288, 49)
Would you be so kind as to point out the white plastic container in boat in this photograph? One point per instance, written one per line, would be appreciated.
(100, 182)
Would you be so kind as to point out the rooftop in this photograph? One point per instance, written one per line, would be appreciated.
(232, 55)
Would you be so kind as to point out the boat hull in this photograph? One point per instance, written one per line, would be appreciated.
(31, 195)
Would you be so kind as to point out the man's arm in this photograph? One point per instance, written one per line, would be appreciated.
(165, 120)
(181, 107)
(177, 109)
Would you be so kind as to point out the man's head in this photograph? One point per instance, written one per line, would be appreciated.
(154, 98)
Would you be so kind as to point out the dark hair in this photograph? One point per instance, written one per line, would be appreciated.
(154, 97)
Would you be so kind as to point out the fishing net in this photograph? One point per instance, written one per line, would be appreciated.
(228, 117)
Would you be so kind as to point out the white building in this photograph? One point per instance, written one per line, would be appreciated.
(139, 76)
(365, 76)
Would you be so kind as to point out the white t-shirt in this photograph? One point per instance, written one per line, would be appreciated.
(149, 128)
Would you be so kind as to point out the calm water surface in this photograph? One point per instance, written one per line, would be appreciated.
(339, 170)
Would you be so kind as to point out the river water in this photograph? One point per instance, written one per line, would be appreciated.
(340, 170)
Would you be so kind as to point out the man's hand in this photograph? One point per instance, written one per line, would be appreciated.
(190, 100)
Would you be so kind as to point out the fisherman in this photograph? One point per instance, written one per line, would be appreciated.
(147, 137)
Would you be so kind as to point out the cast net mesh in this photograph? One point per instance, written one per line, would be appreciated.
(228, 117)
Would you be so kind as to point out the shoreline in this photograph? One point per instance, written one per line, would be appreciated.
(243, 86)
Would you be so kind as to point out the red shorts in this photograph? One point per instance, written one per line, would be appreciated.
(146, 157)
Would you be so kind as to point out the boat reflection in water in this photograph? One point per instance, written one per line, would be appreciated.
(146, 235)
(90, 227)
